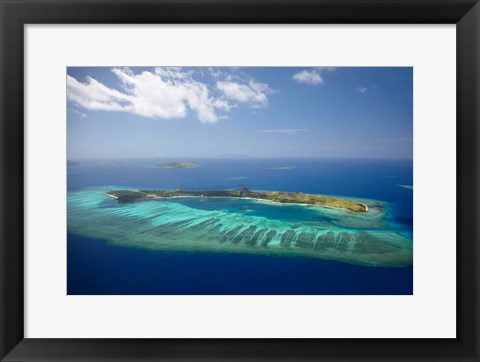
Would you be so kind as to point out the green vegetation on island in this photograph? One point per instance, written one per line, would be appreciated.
(273, 196)
(177, 165)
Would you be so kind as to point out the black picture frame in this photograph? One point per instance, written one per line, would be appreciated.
(17, 13)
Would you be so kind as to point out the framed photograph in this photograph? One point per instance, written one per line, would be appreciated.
(222, 180)
(239, 181)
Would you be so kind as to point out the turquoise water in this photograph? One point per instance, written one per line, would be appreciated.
(380, 240)
(244, 226)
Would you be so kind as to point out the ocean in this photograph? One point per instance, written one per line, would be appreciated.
(113, 249)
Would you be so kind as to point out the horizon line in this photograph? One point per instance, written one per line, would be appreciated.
(192, 158)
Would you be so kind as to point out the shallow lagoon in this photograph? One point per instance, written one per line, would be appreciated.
(245, 226)
(227, 227)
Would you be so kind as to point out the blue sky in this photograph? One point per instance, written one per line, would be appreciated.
(260, 112)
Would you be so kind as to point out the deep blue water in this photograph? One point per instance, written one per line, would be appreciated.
(95, 267)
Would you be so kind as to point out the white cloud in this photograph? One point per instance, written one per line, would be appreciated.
(76, 111)
(94, 95)
(362, 89)
(216, 73)
(311, 77)
(252, 93)
(285, 130)
(173, 72)
(167, 93)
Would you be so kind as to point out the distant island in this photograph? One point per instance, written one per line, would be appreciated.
(177, 165)
(299, 198)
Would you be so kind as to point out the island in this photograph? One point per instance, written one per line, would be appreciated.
(298, 198)
(177, 165)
